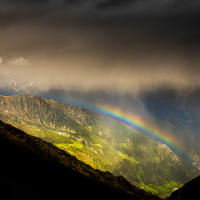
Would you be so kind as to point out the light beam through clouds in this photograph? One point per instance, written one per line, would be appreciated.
(1, 61)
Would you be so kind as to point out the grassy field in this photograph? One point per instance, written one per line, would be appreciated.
(98, 145)
(161, 190)
(65, 146)
(127, 158)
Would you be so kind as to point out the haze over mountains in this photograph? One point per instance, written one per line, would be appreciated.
(91, 45)
(161, 104)
(104, 143)
(138, 57)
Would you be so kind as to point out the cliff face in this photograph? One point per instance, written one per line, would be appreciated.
(34, 169)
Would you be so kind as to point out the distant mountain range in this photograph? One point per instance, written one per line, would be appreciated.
(34, 169)
(11, 85)
(163, 104)
(104, 143)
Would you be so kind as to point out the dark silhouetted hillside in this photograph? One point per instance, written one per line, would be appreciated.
(190, 191)
(34, 169)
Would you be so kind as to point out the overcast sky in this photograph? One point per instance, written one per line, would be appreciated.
(123, 46)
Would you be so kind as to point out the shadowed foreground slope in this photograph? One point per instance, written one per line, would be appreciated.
(34, 169)
(189, 191)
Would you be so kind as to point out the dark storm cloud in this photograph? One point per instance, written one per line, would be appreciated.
(115, 3)
(117, 45)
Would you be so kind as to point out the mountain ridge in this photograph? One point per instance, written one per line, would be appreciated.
(100, 141)
(189, 191)
(183, 135)
(29, 160)
(186, 128)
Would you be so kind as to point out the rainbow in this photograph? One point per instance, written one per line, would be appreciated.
(139, 124)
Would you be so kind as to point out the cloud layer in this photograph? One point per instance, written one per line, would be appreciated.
(123, 46)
